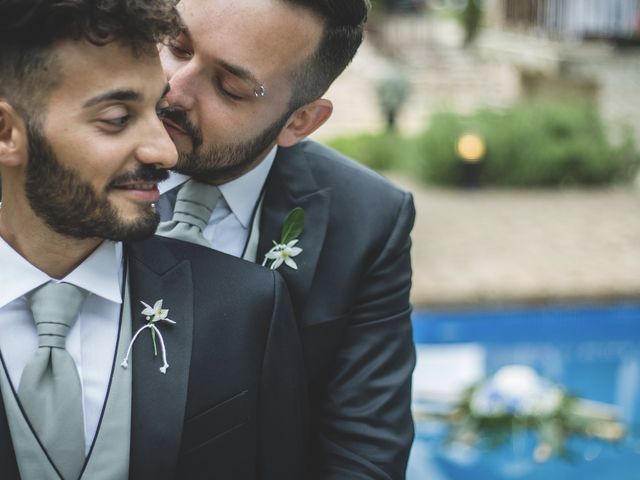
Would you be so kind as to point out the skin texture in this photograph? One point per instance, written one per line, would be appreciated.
(264, 40)
(110, 147)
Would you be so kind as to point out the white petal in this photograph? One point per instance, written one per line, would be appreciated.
(290, 262)
(273, 255)
(158, 305)
(276, 263)
(295, 251)
(148, 311)
(292, 243)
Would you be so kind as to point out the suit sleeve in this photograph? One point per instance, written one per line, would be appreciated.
(282, 397)
(367, 427)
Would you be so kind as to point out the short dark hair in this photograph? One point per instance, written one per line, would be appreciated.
(30, 28)
(343, 22)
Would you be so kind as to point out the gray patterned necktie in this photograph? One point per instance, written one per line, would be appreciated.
(50, 390)
(194, 205)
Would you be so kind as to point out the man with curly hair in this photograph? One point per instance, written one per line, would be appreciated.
(247, 83)
(122, 357)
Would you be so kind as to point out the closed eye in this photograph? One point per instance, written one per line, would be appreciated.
(220, 87)
(179, 51)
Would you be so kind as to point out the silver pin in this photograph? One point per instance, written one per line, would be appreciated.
(260, 91)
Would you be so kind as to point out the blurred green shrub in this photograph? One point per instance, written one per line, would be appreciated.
(528, 145)
(535, 144)
(471, 19)
(379, 151)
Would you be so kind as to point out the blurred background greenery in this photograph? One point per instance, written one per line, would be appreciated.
(532, 87)
(531, 144)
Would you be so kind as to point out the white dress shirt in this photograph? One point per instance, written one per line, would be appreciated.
(91, 341)
(230, 221)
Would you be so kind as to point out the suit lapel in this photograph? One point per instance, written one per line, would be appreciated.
(291, 184)
(159, 400)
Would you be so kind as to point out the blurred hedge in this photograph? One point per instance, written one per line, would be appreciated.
(379, 151)
(528, 145)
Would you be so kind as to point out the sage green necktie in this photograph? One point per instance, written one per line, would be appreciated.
(194, 205)
(50, 390)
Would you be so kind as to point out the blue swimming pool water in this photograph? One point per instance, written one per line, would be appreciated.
(594, 350)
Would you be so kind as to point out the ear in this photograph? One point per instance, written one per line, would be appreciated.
(304, 121)
(13, 136)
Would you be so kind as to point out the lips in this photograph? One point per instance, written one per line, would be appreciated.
(138, 186)
(146, 192)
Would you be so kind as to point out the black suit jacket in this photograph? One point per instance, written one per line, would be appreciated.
(231, 405)
(351, 297)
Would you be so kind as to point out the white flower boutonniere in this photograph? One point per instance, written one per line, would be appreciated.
(153, 315)
(286, 249)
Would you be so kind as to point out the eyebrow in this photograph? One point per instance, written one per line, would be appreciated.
(120, 95)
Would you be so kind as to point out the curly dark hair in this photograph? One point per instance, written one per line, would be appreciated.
(344, 22)
(29, 28)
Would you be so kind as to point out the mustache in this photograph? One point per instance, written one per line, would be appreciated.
(143, 173)
(179, 117)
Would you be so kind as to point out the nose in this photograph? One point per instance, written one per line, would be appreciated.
(156, 147)
(182, 77)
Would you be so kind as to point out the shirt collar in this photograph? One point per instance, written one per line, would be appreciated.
(241, 194)
(99, 273)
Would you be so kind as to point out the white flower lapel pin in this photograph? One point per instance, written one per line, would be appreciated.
(284, 251)
(153, 315)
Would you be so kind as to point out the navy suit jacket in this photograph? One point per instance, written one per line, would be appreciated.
(231, 405)
(351, 298)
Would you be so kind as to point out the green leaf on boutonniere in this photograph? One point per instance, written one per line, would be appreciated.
(284, 251)
(293, 225)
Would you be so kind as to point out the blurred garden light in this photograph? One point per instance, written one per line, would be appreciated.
(471, 147)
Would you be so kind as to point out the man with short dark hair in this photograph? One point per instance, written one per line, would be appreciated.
(122, 357)
(247, 79)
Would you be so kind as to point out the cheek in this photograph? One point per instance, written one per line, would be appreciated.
(229, 126)
(96, 162)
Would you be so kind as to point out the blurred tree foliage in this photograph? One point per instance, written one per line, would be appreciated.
(379, 151)
(471, 18)
(527, 145)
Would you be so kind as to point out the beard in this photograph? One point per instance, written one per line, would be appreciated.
(71, 206)
(220, 162)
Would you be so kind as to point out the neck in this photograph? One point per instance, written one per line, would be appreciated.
(56, 255)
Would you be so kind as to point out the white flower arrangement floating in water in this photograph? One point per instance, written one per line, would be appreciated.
(517, 400)
(153, 316)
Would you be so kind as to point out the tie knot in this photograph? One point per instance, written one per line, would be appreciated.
(55, 308)
(195, 202)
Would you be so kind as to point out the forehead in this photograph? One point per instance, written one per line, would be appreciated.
(86, 70)
(265, 36)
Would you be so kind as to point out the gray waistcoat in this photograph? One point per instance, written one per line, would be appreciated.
(108, 458)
